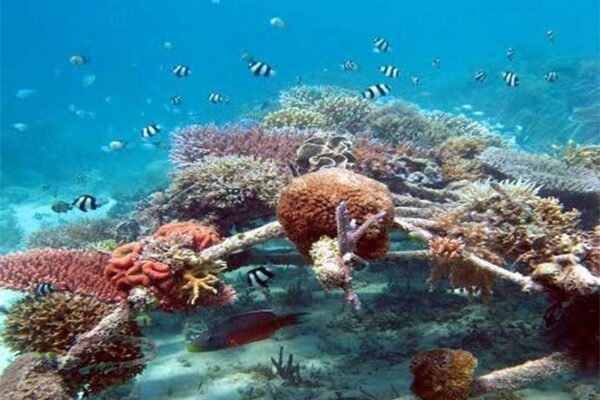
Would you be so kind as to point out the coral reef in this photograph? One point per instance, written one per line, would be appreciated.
(442, 374)
(232, 188)
(457, 155)
(53, 323)
(307, 209)
(74, 235)
(73, 270)
(289, 371)
(193, 143)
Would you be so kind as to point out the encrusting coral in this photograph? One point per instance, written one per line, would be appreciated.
(442, 374)
(233, 188)
(53, 324)
(73, 270)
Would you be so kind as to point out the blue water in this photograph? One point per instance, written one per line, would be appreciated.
(124, 41)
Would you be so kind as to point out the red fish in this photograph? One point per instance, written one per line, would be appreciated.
(242, 329)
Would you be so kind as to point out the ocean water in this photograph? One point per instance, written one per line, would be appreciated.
(55, 118)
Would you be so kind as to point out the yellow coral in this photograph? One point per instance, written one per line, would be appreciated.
(200, 276)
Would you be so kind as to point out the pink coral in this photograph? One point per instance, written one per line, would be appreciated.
(71, 270)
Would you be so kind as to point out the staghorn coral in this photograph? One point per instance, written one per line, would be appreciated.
(53, 324)
(73, 270)
(74, 235)
(442, 374)
(324, 150)
(195, 142)
(233, 188)
(576, 155)
(307, 209)
(294, 118)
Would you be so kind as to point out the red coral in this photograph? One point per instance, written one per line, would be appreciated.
(71, 270)
(203, 237)
(127, 268)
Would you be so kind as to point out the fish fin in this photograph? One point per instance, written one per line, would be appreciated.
(294, 319)
(193, 348)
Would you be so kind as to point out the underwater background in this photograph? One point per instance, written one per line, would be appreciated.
(449, 148)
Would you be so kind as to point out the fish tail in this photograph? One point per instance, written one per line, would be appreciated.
(293, 319)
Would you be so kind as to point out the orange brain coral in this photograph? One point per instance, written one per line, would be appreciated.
(306, 209)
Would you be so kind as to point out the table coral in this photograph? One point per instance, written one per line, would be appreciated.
(307, 209)
(442, 374)
(73, 270)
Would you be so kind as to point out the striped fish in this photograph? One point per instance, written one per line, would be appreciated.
(390, 71)
(85, 202)
(510, 53)
(176, 100)
(436, 63)
(510, 78)
(259, 68)
(380, 89)
(381, 45)
(181, 71)
(415, 80)
(551, 76)
(480, 76)
(216, 98)
(259, 276)
(150, 130)
(43, 289)
(349, 65)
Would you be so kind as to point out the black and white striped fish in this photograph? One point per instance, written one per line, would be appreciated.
(176, 100)
(551, 76)
(43, 289)
(510, 53)
(436, 63)
(259, 276)
(150, 130)
(85, 202)
(415, 80)
(480, 76)
(378, 90)
(216, 98)
(510, 78)
(550, 35)
(390, 71)
(181, 71)
(259, 68)
(381, 45)
(349, 65)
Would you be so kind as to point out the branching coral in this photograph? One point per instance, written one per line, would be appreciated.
(294, 118)
(54, 323)
(442, 374)
(193, 143)
(576, 155)
(73, 270)
(233, 188)
(76, 235)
